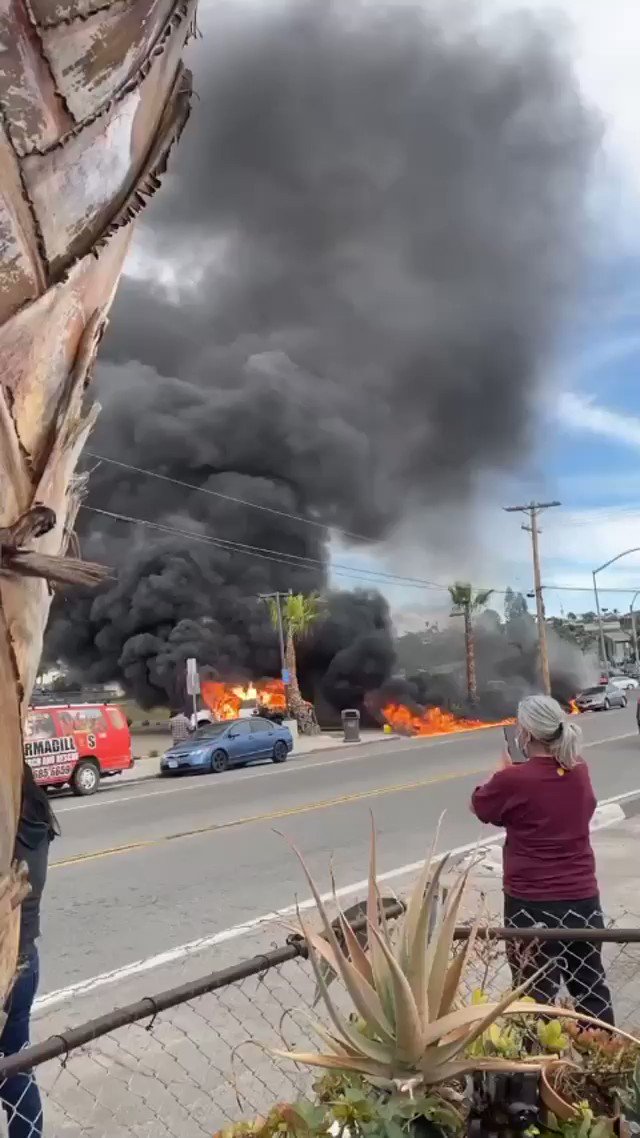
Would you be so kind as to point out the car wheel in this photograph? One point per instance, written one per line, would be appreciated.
(219, 761)
(85, 779)
(280, 752)
(623, 701)
(606, 705)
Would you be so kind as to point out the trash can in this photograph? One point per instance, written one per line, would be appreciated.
(351, 725)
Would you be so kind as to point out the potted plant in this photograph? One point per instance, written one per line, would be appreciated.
(594, 1067)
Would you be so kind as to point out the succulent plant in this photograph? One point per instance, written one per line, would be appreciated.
(410, 1027)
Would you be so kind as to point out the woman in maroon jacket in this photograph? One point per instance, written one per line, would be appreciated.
(545, 805)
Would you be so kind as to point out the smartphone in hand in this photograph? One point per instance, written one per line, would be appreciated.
(511, 742)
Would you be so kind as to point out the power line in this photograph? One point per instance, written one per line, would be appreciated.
(589, 588)
(597, 517)
(293, 560)
(229, 497)
(343, 570)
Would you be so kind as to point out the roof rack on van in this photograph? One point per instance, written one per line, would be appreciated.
(68, 698)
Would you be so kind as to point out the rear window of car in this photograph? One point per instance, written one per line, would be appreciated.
(260, 725)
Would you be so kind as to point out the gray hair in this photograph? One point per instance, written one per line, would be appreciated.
(543, 719)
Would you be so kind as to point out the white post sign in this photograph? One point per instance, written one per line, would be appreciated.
(193, 677)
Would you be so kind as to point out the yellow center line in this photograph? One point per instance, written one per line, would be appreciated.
(272, 816)
(306, 808)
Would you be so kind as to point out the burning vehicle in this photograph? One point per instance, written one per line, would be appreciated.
(265, 698)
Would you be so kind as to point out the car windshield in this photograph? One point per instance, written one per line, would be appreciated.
(594, 691)
(210, 730)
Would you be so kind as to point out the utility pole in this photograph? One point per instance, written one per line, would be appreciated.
(277, 597)
(634, 630)
(532, 511)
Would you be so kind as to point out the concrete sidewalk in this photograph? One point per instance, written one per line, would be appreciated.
(147, 765)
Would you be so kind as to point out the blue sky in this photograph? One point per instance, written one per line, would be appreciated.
(588, 454)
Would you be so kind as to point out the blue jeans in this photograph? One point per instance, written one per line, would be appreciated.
(19, 1094)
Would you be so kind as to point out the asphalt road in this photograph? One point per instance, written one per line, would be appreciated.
(148, 868)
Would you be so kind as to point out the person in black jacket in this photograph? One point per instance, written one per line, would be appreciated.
(37, 827)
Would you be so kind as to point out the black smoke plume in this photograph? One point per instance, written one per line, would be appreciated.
(507, 665)
(368, 241)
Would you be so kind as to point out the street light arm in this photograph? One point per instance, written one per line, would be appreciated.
(606, 565)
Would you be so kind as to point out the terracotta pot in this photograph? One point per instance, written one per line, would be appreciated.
(563, 1110)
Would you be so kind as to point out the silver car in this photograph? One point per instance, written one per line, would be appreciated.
(601, 698)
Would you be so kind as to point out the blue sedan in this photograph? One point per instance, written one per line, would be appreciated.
(236, 742)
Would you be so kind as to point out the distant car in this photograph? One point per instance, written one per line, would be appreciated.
(624, 683)
(236, 742)
(601, 698)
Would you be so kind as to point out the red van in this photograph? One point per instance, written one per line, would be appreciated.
(77, 744)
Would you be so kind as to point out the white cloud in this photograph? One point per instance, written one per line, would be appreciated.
(607, 39)
(582, 414)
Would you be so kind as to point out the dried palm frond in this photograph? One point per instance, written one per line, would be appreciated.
(92, 98)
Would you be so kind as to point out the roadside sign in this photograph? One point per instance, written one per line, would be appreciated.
(286, 676)
(193, 677)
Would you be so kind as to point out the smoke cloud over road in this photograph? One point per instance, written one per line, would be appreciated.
(369, 239)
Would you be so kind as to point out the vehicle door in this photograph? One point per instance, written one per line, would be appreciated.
(263, 737)
(615, 695)
(92, 736)
(239, 742)
(120, 737)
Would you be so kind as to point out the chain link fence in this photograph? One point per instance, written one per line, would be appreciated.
(188, 1061)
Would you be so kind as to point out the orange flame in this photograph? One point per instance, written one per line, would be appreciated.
(226, 700)
(575, 710)
(271, 693)
(221, 699)
(432, 721)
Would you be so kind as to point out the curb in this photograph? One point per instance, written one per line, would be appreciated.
(619, 808)
(339, 746)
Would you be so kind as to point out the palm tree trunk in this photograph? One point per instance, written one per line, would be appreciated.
(301, 711)
(470, 652)
(92, 98)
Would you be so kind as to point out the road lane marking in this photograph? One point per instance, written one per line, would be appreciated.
(201, 783)
(84, 987)
(272, 816)
(267, 771)
(191, 948)
(304, 808)
(198, 784)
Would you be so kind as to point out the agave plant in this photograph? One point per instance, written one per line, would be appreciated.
(92, 96)
(410, 1025)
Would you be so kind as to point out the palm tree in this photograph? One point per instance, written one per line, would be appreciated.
(92, 98)
(299, 613)
(465, 603)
